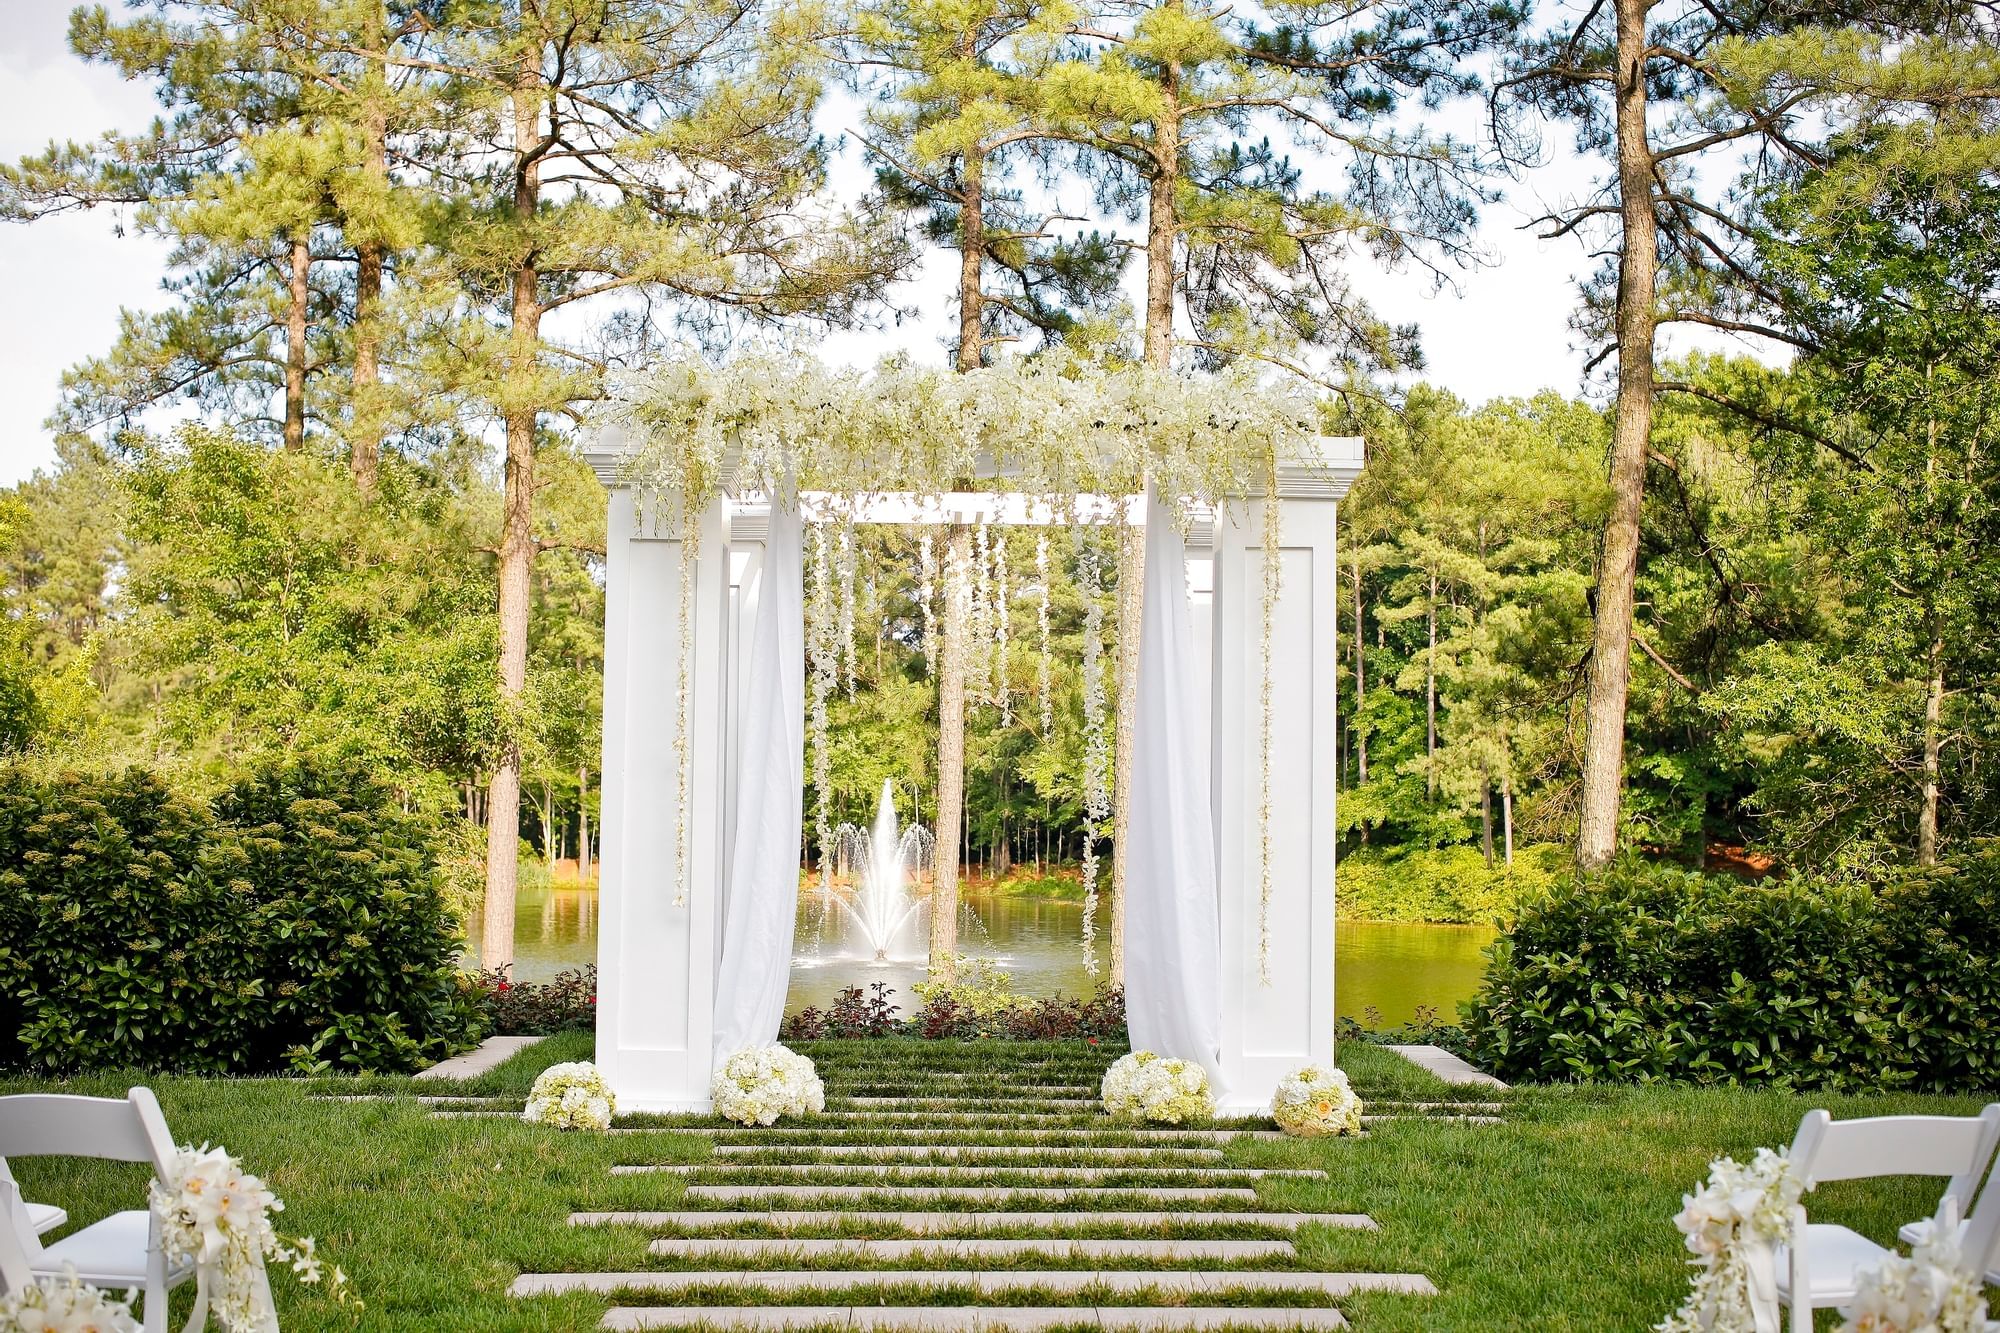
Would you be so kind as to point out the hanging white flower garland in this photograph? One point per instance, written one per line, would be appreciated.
(1044, 668)
(820, 648)
(1096, 739)
(1057, 426)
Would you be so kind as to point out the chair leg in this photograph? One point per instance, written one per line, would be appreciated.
(154, 1319)
(1802, 1307)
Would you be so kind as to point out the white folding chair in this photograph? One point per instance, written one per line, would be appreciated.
(1820, 1269)
(122, 1251)
(43, 1217)
(1972, 1201)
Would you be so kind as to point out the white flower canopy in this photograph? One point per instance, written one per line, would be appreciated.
(696, 455)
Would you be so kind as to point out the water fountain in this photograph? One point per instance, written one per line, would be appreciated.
(884, 903)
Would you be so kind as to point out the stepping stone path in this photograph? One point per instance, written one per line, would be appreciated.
(887, 1213)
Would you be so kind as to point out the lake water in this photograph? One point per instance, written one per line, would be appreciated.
(1389, 967)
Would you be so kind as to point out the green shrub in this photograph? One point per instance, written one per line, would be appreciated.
(1651, 972)
(295, 920)
(1446, 885)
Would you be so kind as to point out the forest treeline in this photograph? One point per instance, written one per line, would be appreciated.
(1694, 601)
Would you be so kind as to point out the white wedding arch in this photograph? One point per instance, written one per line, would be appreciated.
(714, 476)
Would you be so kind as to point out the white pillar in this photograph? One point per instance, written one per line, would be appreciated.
(656, 961)
(1270, 1027)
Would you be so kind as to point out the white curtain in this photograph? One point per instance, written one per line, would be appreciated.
(1173, 957)
(764, 868)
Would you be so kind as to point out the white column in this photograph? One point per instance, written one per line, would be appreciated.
(656, 961)
(749, 526)
(1272, 1025)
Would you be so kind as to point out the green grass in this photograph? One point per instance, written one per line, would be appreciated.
(1556, 1219)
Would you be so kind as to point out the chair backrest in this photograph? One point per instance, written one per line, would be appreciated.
(1981, 1247)
(118, 1129)
(1960, 1147)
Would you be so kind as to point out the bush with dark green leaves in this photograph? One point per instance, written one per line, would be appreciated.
(293, 921)
(1649, 972)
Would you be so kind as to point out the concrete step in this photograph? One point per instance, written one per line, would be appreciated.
(973, 1318)
(997, 1153)
(946, 1223)
(947, 1251)
(1083, 1175)
(975, 1103)
(970, 1193)
(1109, 1129)
(1166, 1282)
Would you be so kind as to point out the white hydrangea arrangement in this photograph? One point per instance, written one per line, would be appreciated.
(1145, 1086)
(571, 1096)
(760, 1083)
(214, 1214)
(1929, 1292)
(1733, 1225)
(64, 1305)
(1314, 1102)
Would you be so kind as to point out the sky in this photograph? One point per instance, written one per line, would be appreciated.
(1497, 331)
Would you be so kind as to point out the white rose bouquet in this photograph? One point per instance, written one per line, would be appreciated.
(64, 1305)
(571, 1096)
(760, 1083)
(1313, 1102)
(1145, 1086)
(1929, 1292)
(1733, 1225)
(216, 1215)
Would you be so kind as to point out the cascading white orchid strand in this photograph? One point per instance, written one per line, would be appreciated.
(927, 603)
(1266, 690)
(684, 707)
(820, 646)
(1044, 668)
(847, 572)
(1096, 740)
(1000, 595)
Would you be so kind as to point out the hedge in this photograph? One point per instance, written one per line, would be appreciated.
(294, 921)
(1653, 973)
(1447, 885)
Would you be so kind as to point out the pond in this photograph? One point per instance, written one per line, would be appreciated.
(1390, 967)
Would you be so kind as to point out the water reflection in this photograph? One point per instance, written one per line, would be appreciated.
(1390, 967)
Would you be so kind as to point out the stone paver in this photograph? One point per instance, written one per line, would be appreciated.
(1082, 1175)
(941, 1223)
(1447, 1066)
(894, 1104)
(489, 1054)
(961, 1152)
(919, 1133)
(1166, 1282)
(957, 1250)
(973, 1193)
(969, 1317)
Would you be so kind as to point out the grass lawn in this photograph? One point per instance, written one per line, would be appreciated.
(1556, 1219)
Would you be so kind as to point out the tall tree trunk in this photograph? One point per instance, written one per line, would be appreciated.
(972, 262)
(1927, 818)
(295, 341)
(1632, 428)
(1486, 817)
(548, 829)
(1360, 683)
(583, 824)
(1507, 813)
(364, 447)
(1431, 695)
(951, 759)
(1131, 605)
(517, 537)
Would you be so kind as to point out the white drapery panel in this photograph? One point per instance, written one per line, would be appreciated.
(764, 868)
(1173, 958)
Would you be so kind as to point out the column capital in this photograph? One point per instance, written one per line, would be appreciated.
(1324, 470)
(605, 452)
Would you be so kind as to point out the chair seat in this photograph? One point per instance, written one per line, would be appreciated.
(45, 1217)
(1911, 1230)
(1835, 1256)
(110, 1253)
